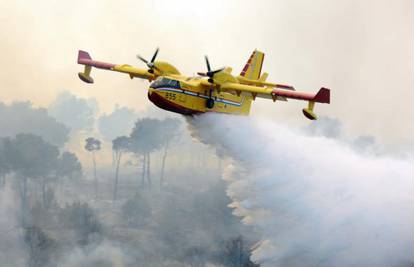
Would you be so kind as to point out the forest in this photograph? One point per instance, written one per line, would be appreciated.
(80, 187)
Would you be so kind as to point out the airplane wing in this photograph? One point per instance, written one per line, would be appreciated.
(85, 59)
(262, 82)
(322, 96)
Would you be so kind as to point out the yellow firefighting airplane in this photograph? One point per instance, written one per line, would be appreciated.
(220, 91)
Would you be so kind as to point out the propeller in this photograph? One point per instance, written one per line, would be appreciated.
(150, 64)
(210, 73)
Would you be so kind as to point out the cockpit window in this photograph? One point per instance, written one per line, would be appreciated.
(165, 82)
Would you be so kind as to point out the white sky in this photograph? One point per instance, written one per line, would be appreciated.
(362, 50)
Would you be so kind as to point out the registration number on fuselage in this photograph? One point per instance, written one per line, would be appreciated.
(170, 96)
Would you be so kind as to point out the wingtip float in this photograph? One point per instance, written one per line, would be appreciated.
(212, 91)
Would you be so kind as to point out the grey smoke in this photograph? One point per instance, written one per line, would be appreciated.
(50, 216)
(22, 117)
(117, 123)
(75, 112)
(11, 245)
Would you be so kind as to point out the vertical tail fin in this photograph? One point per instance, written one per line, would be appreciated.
(253, 67)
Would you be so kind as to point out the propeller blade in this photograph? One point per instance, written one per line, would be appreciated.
(150, 64)
(208, 64)
(216, 71)
(202, 74)
(210, 73)
(142, 59)
(155, 55)
(154, 67)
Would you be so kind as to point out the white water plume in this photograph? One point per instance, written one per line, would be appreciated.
(315, 200)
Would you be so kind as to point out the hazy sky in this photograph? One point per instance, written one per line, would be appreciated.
(362, 50)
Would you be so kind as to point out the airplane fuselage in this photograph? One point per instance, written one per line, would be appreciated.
(188, 97)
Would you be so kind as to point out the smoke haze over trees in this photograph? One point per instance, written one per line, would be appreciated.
(76, 113)
(117, 123)
(161, 203)
(22, 117)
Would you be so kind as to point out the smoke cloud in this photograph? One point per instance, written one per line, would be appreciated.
(315, 200)
(106, 254)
